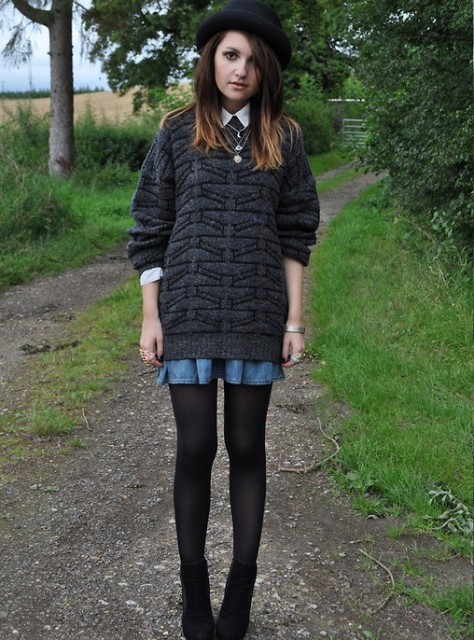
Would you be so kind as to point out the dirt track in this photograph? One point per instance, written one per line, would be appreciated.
(87, 541)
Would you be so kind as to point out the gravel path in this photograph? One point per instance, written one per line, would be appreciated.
(87, 540)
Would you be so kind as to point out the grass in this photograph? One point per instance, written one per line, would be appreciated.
(100, 218)
(62, 383)
(327, 161)
(455, 601)
(394, 341)
(337, 180)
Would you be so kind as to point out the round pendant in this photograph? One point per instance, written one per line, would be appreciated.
(239, 147)
(237, 159)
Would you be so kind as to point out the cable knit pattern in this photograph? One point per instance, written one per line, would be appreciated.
(219, 230)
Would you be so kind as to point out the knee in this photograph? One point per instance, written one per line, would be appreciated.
(245, 453)
(198, 454)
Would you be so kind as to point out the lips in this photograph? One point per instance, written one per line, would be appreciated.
(238, 85)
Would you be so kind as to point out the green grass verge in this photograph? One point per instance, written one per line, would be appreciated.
(100, 219)
(327, 161)
(394, 341)
(337, 180)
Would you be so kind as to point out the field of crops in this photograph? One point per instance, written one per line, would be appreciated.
(104, 104)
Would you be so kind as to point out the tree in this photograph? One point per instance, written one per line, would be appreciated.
(415, 60)
(148, 44)
(142, 43)
(58, 20)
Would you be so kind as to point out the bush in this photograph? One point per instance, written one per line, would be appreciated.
(25, 135)
(417, 66)
(98, 145)
(315, 121)
(32, 206)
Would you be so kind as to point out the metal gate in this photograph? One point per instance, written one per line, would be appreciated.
(353, 130)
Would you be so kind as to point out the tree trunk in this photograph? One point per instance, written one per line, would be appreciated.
(61, 134)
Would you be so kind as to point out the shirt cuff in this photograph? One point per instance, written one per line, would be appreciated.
(151, 275)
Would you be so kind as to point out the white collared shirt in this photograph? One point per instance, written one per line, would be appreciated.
(243, 115)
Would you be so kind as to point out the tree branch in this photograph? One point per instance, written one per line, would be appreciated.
(39, 16)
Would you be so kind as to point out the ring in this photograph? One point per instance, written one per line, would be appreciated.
(145, 356)
(296, 358)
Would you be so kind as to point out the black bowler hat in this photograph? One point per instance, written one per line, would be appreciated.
(251, 16)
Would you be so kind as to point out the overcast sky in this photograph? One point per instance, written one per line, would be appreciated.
(35, 73)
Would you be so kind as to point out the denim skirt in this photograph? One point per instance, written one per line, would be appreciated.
(203, 370)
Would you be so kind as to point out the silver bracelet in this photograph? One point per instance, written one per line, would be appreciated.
(291, 329)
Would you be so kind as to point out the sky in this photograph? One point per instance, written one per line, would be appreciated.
(35, 73)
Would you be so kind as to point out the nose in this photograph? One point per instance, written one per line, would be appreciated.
(241, 69)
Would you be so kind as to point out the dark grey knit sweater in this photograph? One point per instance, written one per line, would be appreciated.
(219, 230)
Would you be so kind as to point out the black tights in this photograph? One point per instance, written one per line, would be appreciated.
(245, 412)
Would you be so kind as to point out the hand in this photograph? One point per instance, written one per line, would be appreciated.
(293, 343)
(151, 342)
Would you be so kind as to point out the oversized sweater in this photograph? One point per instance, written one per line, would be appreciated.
(220, 230)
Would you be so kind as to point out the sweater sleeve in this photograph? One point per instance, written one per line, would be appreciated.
(153, 206)
(298, 210)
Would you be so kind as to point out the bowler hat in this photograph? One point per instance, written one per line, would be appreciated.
(252, 16)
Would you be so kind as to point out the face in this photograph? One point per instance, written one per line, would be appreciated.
(235, 74)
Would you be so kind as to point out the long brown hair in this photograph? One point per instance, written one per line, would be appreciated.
(266, 106)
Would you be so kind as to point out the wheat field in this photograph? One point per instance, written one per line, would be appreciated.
(103, 104)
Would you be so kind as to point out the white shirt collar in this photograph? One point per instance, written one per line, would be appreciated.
(243, 115)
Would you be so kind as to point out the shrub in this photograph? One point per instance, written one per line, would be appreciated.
(315, 121)
(25, 134)
(32, 206)
(99, 144)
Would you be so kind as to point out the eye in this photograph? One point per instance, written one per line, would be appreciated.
(230, 55)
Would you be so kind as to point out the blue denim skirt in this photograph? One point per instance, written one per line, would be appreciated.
(203, 370)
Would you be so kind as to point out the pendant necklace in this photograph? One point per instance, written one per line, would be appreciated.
(239, 143)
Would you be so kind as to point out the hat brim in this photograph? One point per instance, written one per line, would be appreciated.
(245, 21)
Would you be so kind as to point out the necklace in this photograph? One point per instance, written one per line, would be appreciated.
(239, 142)
(237, 131)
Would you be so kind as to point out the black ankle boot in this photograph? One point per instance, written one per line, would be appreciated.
(198, 621)
(234, 617)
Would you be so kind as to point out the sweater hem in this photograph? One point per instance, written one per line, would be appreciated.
(258, 348)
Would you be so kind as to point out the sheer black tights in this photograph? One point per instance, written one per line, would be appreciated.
(245, 411)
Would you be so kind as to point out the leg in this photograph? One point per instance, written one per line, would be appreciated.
(245, 412)
(195, 408)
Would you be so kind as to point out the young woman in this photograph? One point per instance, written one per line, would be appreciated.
(225, 211)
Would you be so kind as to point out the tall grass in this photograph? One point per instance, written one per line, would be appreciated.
(48, 224)
(394, 340)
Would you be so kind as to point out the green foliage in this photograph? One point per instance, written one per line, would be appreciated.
(103, 144)
(327, 161)
(142, 46)
(315, 122)
(416, 64)
(49, 224)
(313, 32)
(24, 95)
(394, 341)
(24, 135)
(311, 112)
(32, 205)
